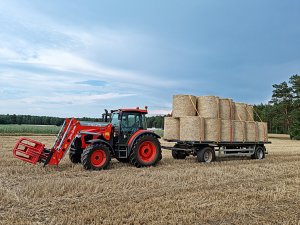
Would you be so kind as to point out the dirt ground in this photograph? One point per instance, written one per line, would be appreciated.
(228, 191)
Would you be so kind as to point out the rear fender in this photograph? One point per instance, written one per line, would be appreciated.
(136, 135)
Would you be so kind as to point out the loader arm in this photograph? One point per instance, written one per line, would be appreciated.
(33, 152)
(64, 139)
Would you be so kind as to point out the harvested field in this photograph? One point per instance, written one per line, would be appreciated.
(235, 190)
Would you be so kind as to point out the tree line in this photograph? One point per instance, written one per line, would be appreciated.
(38, 120)
(282, 112)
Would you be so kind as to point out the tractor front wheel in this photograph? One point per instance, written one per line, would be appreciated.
(96, 157)
(75, 156)
(75, 151)
(146, 151)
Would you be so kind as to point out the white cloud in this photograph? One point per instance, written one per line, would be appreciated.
(44, 61)
(8, 54)
(159, 111)
(73, 99)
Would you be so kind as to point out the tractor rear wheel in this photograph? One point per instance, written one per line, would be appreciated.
(96, 157)
(146, 151)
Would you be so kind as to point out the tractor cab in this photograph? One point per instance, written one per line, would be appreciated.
(126, 122)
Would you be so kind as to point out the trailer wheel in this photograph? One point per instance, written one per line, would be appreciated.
(259, 153)
(178, 154)
(206, 155)
(96, 157)
(146, 151)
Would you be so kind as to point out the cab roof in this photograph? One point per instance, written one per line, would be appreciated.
(143, 111)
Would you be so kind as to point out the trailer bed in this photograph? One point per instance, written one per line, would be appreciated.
(181, 149)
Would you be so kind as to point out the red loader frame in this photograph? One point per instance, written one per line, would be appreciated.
(32, 151)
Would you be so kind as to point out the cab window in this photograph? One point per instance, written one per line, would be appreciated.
(133, 120)
(115, 119)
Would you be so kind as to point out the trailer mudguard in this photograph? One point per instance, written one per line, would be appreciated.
(136, 135)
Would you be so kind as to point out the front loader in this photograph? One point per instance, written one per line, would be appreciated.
(125, 138)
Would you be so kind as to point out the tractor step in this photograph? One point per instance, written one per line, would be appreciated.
(30, 151)
(122, 152)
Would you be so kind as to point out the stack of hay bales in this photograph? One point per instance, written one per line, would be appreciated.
(212, 119)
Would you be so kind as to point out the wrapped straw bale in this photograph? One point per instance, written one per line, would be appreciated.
(238, 131)
(251, 131)
(240, 111)
(184, 105)
(262, 131)
(171, 128)
(226, 109)
(212, 129)
(191, 128)
(226, 129)
(208, 106)
(250, 114)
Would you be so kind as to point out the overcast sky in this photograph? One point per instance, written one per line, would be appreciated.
(76, 58)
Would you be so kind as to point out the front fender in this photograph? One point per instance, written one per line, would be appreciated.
(136, 135)
(98, 141)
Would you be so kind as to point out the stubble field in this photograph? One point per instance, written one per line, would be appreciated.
(229, 191)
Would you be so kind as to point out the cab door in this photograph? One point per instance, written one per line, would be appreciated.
(130, 123)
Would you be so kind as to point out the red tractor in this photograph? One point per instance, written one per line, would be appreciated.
(125, 138)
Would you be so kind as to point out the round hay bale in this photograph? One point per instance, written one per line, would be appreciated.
(208, 106)
(251, 131)
(262, 131)
(184, 105)
(226, 129)
(250, 112)
(226, 109)
(191, 128)
(240, 111)
(171, 128)
(238, 131)
(212, 129)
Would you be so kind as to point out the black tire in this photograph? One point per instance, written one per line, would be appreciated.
(136, 158)
(160, 157)
(89, 157)
(178, 154)
(75, 155)
(123, 160)
(259, 153)
(206, 155)
(75, 151)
